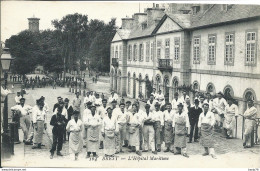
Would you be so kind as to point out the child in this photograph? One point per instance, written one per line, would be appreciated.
(58, 121)
(74, 126)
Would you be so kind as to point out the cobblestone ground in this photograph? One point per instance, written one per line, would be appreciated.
(230, 153)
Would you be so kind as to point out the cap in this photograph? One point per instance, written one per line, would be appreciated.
(108, 108)
(66, 100)
(59, 97)
(180, 104)
(42, 97)
(176, 94)
(93, 105)
(128, 102)
(89, 103)
(75, 112)
(22, 99)
(206, 103)
(147, 105)
(121, 104)
(114, 101)
(156, 104)
(196, 101)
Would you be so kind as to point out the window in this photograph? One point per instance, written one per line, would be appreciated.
(116, 55)
(167, 48)
(176, 49)
(141, 52)
(152, 51)
(129, 82)
(147, 51)
(135, 52)
(120, 52)
(112, 51)
(250, 48)
(175, 84)
(196, 50)
(159, 44)
(229, 49)
(129, 52)
(212, 50)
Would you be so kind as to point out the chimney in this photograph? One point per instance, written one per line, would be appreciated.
(139, 18)
(223, 7)
(127, 23)
(153, 14)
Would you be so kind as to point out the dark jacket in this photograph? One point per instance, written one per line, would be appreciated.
(194, 114)
(55, 119)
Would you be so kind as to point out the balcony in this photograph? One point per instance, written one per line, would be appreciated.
(115, 62)
(165, 65)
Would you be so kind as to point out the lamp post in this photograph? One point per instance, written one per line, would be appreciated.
(7, 146)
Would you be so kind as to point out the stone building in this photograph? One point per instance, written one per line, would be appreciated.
(211, 48)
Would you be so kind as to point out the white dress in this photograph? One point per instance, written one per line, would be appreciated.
(75, 139)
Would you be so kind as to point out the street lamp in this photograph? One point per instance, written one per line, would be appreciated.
(7, 145)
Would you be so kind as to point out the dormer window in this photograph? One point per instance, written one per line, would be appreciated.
(195, 9)
(144, 26)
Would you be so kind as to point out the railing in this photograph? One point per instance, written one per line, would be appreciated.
(115, 62)
(165, 64)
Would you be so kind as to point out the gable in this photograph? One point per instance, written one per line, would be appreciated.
(168, 25)
(116, 37)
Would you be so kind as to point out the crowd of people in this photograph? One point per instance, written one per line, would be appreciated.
(113, 123)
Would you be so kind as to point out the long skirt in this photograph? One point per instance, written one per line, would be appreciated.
(206, 139)
(92, 139)
(75, 142)
(229, 124)
(134, 137)
(180, 135)
(109, 144)
(39, 132)
(168, 133)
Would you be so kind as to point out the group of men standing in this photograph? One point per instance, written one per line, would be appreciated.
(110, 124)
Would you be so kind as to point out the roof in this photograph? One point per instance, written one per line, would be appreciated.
(214, 15)
(182, 19)
(123, 33)
(139, 32)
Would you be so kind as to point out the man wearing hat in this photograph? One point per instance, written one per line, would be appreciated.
(175, 101)
(74, 127)
(168, 131)
(250, 116)
(92, 123)
(206, 124)
(180, 126)
(113, 97)
(231, 112)
(134, 124)
(109, 131)
(158, 126)
(148, 131)
(121, 117)
(151, 102)
(25, 120)
(195, 112)
(39, 123)
(76, 102)
(218, 108)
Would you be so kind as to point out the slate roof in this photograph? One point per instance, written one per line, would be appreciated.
(215, 15)
(182, 19)
(138, 32)
(123, 33)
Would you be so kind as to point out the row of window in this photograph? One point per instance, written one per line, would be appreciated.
(229, 54)
(117, 52)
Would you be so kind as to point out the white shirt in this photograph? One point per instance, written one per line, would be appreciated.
(17, 99)
(175, 103)
(168, 116)
(152, 107)
(93, 120)
(154, 94)
(102, 111)
(251, 112)
(158, 116)
(86, 112)
(87, 99)
(231, 110)
(98, 101)
(64, 112)
(109, 124)
(120, 117)
(208, 119)
(210, 102)
(38, 115)
(115, 97)
(183, 115)
(25, 110)
(184, 99)
(134, 119)
(219, 105)
(74, 126)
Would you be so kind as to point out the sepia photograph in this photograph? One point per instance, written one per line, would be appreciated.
(129, 84)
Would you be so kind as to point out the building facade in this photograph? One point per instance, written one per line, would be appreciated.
(209, 48)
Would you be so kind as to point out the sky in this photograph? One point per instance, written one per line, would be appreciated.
(14, 14)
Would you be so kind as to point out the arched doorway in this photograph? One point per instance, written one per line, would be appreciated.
(140, 92)
(228, 91)
(166, 89)
(157, 83)
(115, 81)
(134, 85)
(211, 88)
(119, 82)
(111, 79)
(129, 83)
(175, 84)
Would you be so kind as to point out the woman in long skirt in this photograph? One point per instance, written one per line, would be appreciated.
(74, 127)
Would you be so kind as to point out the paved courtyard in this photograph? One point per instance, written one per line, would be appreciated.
(230, 153)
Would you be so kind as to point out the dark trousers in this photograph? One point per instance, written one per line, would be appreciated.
(194, 124)
(57, 142)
